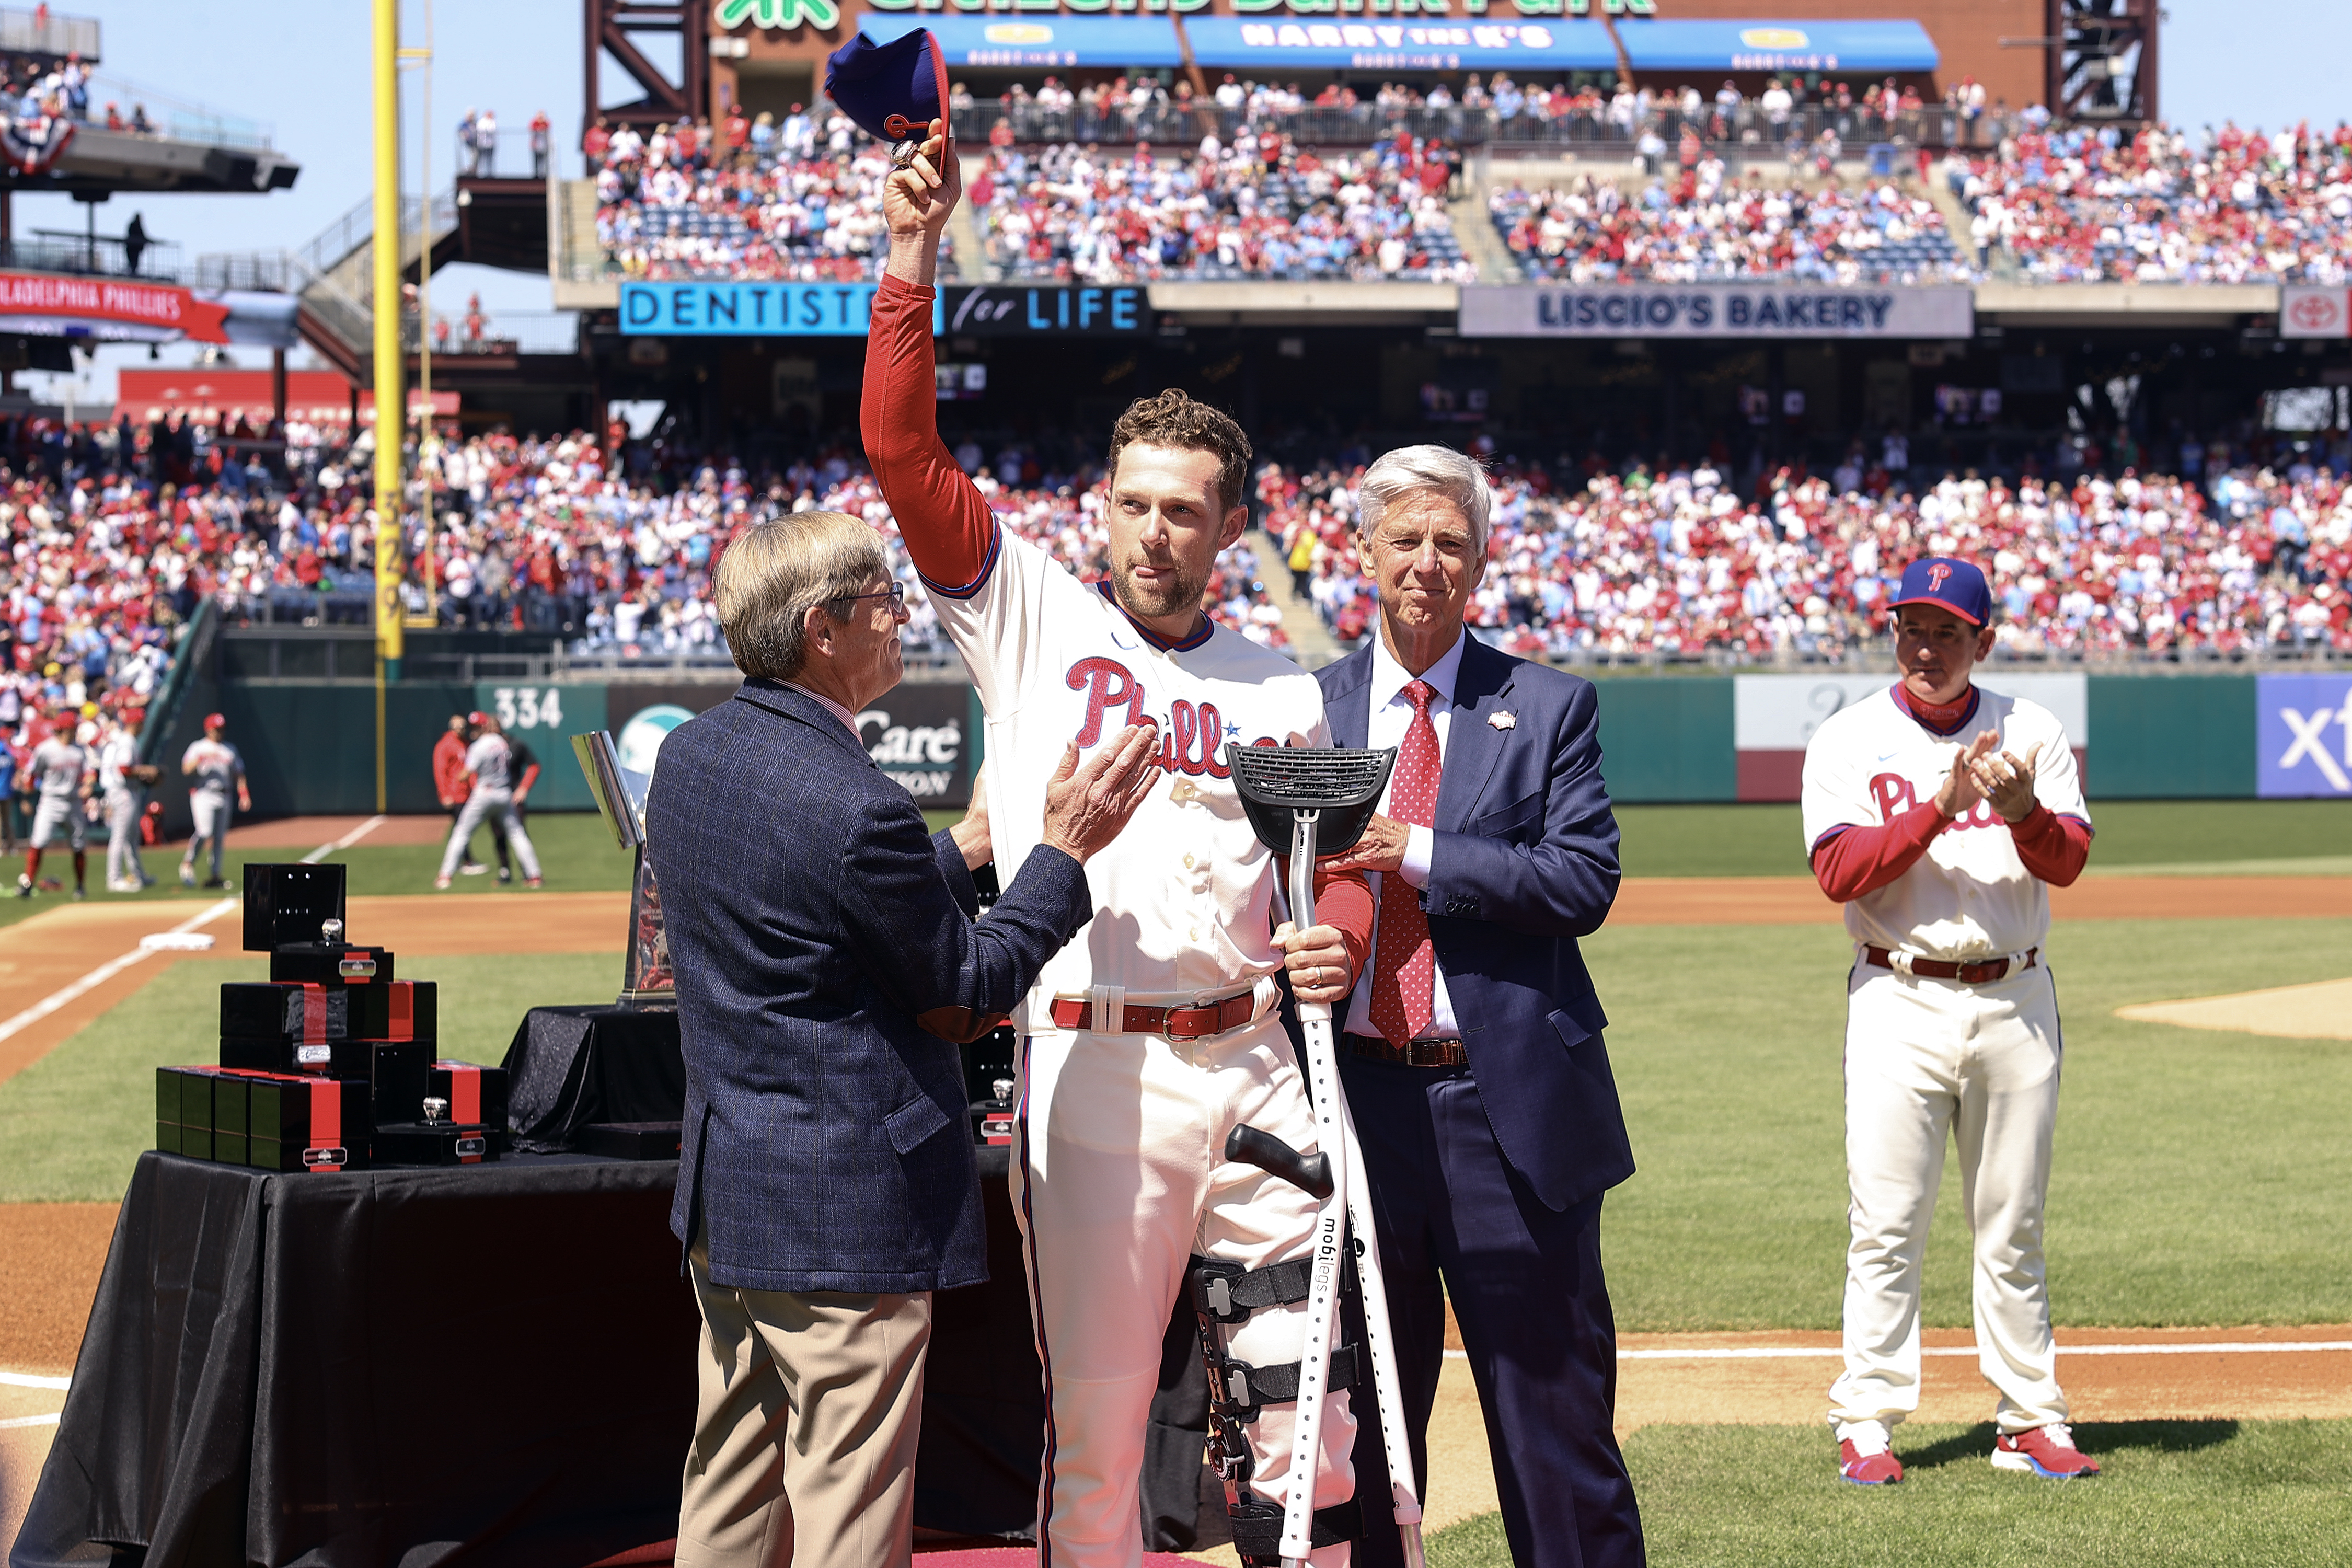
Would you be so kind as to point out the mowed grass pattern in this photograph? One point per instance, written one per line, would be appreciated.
(72, 1123)
(2175, 1494)
(2198, 1179)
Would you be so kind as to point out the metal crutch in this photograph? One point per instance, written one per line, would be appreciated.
(1296, 796)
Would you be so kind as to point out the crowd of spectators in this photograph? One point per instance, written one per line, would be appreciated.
(2090, 204)
(1261, 207)
(799, 201)
(1702, 227)
(1678, 565)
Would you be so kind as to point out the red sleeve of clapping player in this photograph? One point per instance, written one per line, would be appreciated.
(1855, 861)
(2053, 847)
(946, 523)
(1343, 900)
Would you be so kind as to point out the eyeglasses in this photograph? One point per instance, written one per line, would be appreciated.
(896, 593)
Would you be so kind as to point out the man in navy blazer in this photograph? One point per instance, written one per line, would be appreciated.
(1472, 1050)
(827, 967)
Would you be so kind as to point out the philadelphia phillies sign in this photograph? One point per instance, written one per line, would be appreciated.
(1716, 310)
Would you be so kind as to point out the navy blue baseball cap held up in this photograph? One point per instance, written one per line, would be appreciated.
(1955, 584)
(892, 91)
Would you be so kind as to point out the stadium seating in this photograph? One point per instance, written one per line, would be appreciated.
(1705, 227)
(1262, 209)
(1681, 567)
(778, 207)
(2083, 205)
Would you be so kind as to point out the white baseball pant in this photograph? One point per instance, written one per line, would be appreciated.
(1925, 1059)
(479, 806)
(56, 812)
(1118, 1179)
(122, 863)
(212, 815)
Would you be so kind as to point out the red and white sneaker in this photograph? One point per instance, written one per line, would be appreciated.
(2046, 1451)
(1865, 1458)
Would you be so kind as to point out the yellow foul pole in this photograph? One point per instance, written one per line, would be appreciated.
(390, 407)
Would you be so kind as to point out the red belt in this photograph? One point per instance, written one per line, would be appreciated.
(1176, 1023)
(1983, 973)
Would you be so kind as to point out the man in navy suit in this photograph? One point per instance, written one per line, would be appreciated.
(827, 967)
(1472, 1052)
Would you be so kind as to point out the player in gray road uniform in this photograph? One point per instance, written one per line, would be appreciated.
(213, 763)
(61, 770)
(491, 761)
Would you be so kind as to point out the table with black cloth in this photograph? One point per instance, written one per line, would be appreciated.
(490, 1363)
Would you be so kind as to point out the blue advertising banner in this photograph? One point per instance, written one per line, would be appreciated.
(716, 307)
(2304, 728)
(1716, 311)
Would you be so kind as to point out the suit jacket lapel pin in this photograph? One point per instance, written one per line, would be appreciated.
(1504, 719)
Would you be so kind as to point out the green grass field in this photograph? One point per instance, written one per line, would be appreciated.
(1768, 840)
(2199, 1176)
(72, 1124)
(2174, 1494)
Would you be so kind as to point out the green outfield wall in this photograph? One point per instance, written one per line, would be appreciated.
(310, 744)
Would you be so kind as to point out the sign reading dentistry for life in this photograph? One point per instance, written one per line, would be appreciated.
(720, 309)
(1716, 310)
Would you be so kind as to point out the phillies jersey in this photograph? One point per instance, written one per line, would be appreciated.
(1970, 896)
(216, 766)
(1181, 898)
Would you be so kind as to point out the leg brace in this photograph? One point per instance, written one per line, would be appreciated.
(1224, 1294)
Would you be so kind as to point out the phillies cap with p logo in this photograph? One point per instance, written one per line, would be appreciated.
(892, 91)
(1955, 584)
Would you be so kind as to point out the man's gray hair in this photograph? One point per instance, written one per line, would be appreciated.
(1437, 471)
(776, 571)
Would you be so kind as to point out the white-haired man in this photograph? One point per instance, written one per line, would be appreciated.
(1471, 1049)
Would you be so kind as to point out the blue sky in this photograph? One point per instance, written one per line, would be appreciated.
(303, 70)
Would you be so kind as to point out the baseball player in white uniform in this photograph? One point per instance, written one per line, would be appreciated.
(123, 797)
(61, 770)
(216, 766)
(1938, 814)
(489, 762)
(1146, 1041)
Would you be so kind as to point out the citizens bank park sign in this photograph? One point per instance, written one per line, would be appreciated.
(1716, 310)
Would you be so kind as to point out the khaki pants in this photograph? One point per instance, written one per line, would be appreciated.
(805, 1427)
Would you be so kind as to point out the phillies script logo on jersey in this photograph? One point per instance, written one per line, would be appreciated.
(1894, 796)
(1189, 737)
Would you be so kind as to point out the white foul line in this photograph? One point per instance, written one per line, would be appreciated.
(104, 972)
(345, 842)
(30, 1380)
(114, 966)
(10, 1426)
(1831, 1353)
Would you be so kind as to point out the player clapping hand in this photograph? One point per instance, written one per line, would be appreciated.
(2007, 781)
(1960, 791)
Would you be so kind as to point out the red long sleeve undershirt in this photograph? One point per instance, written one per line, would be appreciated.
(945, 522)
(951, 533)
(1858, 861)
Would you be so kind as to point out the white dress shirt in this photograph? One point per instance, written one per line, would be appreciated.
(849, 719)
(1391, 716)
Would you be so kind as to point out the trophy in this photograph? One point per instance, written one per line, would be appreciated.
(647, 981)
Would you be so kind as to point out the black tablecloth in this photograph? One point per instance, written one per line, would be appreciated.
(568, 1067)
(490, 1363)
(493, 1362)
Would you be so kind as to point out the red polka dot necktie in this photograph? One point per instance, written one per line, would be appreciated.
(1405, 968)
